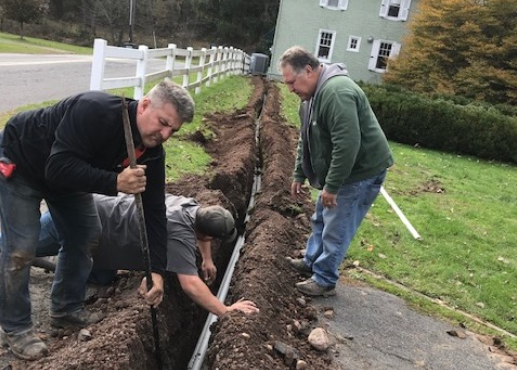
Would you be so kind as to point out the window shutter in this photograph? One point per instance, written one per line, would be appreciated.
(395, 49)
(404, 10)
(385, 5)
(373, 56)
(343, 4)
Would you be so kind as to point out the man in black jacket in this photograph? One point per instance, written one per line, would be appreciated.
(62, 154)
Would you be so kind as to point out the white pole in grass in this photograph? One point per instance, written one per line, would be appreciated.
(397, 210)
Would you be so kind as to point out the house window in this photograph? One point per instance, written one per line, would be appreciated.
(395, 10)
(334, 4)
(354, 42)
(325, 45)
(382, 50)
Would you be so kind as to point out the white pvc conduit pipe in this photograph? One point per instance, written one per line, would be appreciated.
(399, 213)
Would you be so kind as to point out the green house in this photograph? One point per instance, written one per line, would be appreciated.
(363, 34)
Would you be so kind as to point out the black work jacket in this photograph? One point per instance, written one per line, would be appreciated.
(78, 145)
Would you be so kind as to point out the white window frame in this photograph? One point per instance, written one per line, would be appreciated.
(342, 5)
(349, 47)
(331, 47)
(374, 56)
(403, 12)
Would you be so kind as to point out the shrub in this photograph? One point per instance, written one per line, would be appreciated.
(462, 126)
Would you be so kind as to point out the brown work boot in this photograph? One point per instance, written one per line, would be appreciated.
(299, 265)
(78, 319)
(312, 288)
(26, 345)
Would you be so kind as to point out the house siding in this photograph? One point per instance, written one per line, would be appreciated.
(300, 21)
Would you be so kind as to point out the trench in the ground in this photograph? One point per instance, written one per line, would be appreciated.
(244, 182)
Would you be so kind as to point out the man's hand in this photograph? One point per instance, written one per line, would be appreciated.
(246, 306)
(328, 200)
(132, 180)
(209, 271)
(297, 191)
(155, 296)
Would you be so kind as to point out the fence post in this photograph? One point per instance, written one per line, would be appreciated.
(218, 63)
(141, 67)
(99, 52)
(213, 54)
(224, 65)
(171, 59)
(188, 64)
(201, 63)
(241, 61)
(234, 61)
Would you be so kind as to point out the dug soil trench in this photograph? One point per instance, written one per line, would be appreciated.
(272, 339)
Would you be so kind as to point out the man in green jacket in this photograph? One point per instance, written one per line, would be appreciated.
(343, 152)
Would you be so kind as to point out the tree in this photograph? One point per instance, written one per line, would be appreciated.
(24, 11)
(461, 47)
(240, 23)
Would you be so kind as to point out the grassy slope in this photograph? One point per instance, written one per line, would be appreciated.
(28, 45)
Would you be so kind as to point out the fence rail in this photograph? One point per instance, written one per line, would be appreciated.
(196, 67)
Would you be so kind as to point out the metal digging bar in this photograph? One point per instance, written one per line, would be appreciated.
(143, 234)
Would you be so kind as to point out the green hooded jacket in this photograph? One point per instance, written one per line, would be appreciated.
(344, 139)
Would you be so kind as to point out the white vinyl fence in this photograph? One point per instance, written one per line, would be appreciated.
(197, 67)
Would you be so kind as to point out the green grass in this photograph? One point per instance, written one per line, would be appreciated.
(185, 157)
(10, 43)
(465, 210)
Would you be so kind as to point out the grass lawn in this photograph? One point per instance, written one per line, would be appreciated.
(10, 43)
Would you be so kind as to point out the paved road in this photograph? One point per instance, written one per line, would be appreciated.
(382, 333)
(28, 78)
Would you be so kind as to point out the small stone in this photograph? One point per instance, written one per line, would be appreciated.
(329, 314)
(245, 335)
(302, 302)
(84, 335)
(286, 350)
(319, 339)
(295, 326)
(301, 365)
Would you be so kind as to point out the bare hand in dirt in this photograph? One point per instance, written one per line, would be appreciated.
(297, 191)
(246, 306)
(328, 199)
(209, 271)
(132, 180)
(155, 296)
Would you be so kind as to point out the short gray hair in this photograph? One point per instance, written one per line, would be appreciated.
(168, 91)
(297, 57)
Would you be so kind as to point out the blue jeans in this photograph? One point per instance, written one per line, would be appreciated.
(50, 243)
(76, 218)
(334, 228)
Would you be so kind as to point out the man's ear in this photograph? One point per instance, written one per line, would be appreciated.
(143, 104)
(309, 70)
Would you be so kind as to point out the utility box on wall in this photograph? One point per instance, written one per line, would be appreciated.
(258, 64)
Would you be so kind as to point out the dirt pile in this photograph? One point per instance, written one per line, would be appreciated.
(276, 337)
